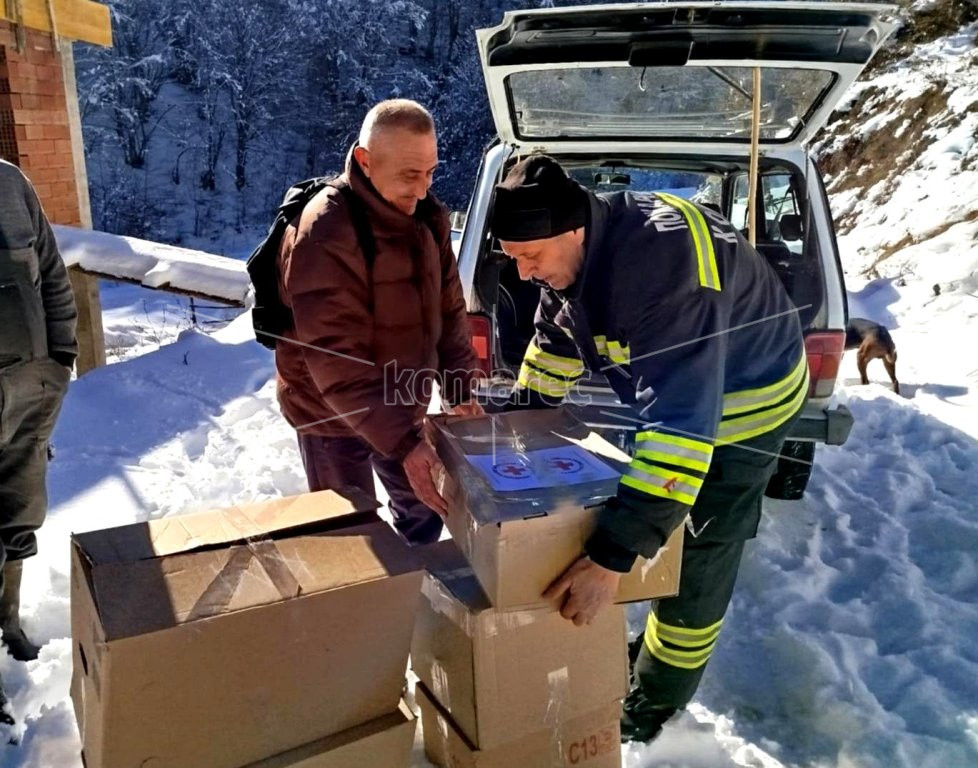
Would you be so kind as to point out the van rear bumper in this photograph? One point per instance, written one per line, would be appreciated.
(819, 424)
(823, 425)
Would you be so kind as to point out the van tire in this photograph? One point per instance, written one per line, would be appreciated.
(791, 477)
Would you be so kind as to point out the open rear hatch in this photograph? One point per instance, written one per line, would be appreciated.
(647, 76)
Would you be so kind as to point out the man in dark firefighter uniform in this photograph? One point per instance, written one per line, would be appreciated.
(695, 332)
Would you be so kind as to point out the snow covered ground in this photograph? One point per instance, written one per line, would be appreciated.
(849, 642)
(851, 639)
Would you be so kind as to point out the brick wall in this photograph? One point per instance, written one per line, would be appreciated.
(34, 133)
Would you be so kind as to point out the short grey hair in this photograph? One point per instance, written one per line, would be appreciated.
(396, 113)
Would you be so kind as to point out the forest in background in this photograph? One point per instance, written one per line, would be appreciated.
(205, 111)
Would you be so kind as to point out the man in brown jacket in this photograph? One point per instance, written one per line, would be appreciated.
(355, 372)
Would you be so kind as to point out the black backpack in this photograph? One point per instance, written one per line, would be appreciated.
(270, 317)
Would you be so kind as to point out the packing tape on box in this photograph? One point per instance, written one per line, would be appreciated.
(240, 523)
(268, 555)
(444, 602)
(506, 621)
(487, 623)
(220, 592)
(439, 684)
(456, 500)
(558, 687)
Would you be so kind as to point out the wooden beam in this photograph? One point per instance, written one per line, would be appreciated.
(91, 337)
(75, 131)
(81, 20)
(165, 287)
(90, 332)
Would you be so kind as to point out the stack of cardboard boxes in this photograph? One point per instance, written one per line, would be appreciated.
(504, 679)
(277, 635)
(508, 688)
(273, 635)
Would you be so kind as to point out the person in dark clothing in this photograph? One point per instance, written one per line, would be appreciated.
(37, 352)
(361, 331)
(695, 332)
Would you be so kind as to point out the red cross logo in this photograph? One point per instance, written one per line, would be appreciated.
(670, 484)
(513, 470)
(564, 465)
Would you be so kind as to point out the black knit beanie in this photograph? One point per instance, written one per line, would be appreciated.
(537, 200)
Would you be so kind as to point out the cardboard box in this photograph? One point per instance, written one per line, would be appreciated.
(385, 742)
(587, 741)
(520, 540)
(505, 675)
(222, 638)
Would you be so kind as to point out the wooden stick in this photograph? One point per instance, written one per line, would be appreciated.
(54, 25)
(755, 140)
(20, 37)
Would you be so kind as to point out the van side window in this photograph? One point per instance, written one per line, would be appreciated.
(782, 213)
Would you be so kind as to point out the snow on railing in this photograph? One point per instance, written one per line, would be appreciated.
(154, 265)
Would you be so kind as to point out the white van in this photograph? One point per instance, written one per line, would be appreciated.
(658, 97)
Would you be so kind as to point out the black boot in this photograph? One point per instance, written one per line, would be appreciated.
(641, 721)
(18, 644)
(634, 648)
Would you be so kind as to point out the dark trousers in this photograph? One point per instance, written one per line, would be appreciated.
(30, 399)
(682, 631)
(335, 463)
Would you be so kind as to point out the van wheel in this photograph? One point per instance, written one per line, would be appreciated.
(794, 470)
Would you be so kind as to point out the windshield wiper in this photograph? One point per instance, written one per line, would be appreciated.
(732, 83)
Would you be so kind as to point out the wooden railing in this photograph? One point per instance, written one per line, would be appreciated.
(92, 255)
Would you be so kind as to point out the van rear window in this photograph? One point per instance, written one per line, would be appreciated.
(688, 102)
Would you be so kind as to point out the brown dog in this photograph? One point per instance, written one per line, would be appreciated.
(873, 341)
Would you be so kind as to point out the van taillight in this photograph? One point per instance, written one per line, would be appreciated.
(480, 333)
(824, 351)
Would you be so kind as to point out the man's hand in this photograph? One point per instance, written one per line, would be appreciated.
(471, 408)
(419, 465)
(583, 590)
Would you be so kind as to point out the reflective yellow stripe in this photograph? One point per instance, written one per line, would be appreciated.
(706, 260)
(746, 427)
(530, 373)
(754, 399)
(657, 490)
(555, 363)
(685, 636)
(672, 458)
(677, 440)
(680, 451)
(700, 642)
(643, 471)
(618, 353)
(545, 385)
(613, 350)
(674, 658)
(665, 483)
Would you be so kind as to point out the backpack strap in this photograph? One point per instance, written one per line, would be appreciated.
(365, 234)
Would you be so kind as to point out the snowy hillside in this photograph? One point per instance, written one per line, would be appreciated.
(850, 641)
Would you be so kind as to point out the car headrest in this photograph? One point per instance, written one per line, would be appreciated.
(791, 228)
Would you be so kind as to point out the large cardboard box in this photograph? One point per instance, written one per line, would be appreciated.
(222, 638)
(523, 491)
(385, 743)
(587, 741)
(505, 675)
